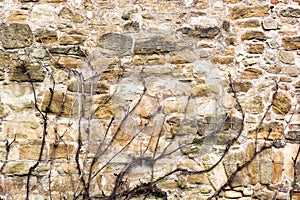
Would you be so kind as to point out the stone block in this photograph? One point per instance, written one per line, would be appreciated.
(26, 73)
(61, 151)
(149, 60)
(253, 167)
(290, 12)
(251, 23)
(16, 35)
(17, 16)
(115, 44)
(67, 62)
(224, 60)
(42, 14)
(65, 14)
(71, 39)
(45, 36)
(16, 168)
(240, 12)
(29, 152)
(269, 24)
(272, 131)
(61, 104)
(251, 73)
(201, 32)
(154, 45)
(291, 43)
(182, 57)
(281, 103)
(286, 57)
(253, 35)
(256, 48)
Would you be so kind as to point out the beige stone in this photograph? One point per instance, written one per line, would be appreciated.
(149, 60)
(281, 103)
(251, 73)
(256, 48)
(251, 23)
(16, 168)
(71, 39)
(67, 62)
(286, 57)
(272, 131)
(291, 43)
(253, 35)
(19, 16)
(239, 12)
(61, 151)
(224, 60)
(232, 194)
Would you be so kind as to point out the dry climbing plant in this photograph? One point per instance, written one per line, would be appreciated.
(90, 167)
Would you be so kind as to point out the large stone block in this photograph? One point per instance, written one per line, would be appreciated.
(16, 35)
(272, 131)
(154, 45)
(115, 44)
(45, 36)
(253, 35)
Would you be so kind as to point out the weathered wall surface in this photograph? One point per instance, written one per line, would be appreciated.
(119, 98)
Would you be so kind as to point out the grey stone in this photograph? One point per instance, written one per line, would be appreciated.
(154, 45)
(201, 32)
(290, 12)
(286, 57)
(270, 24)
(16, 35)
(115, 44)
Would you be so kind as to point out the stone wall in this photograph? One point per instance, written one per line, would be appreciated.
(143, 99)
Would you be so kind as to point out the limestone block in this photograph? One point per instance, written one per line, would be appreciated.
(67, 62)
(224, 60)
(61, 104)
(61, 151)
(42, 14)
(253, 35)
(168, 7)
(239, 12)
(256, 48)
(286, 57)
(253, 167)
(115, 44)
(292, 70)
(231, 40)
(72, 39)
(17, 16)
(232, 194)
(266, 167)
(154, 45)
(217, 176)
(251, 23)
(290, 12)
(67, 50)
(16, 35)
(281, 103)
(16, 168)
(201, 32)
(291, 43)
(182, 57)
(45, 36)
(230, 163)
(270, 24)
(26, 73)
(149, 60)
(273, 131)
(66, 14)
(251, 73)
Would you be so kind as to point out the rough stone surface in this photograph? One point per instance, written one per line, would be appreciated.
(154, 45)
(16, 36)
(253, 35)
(282, 103)
(290, 12)
(115, 44)
(134, 81)
(239, 12)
